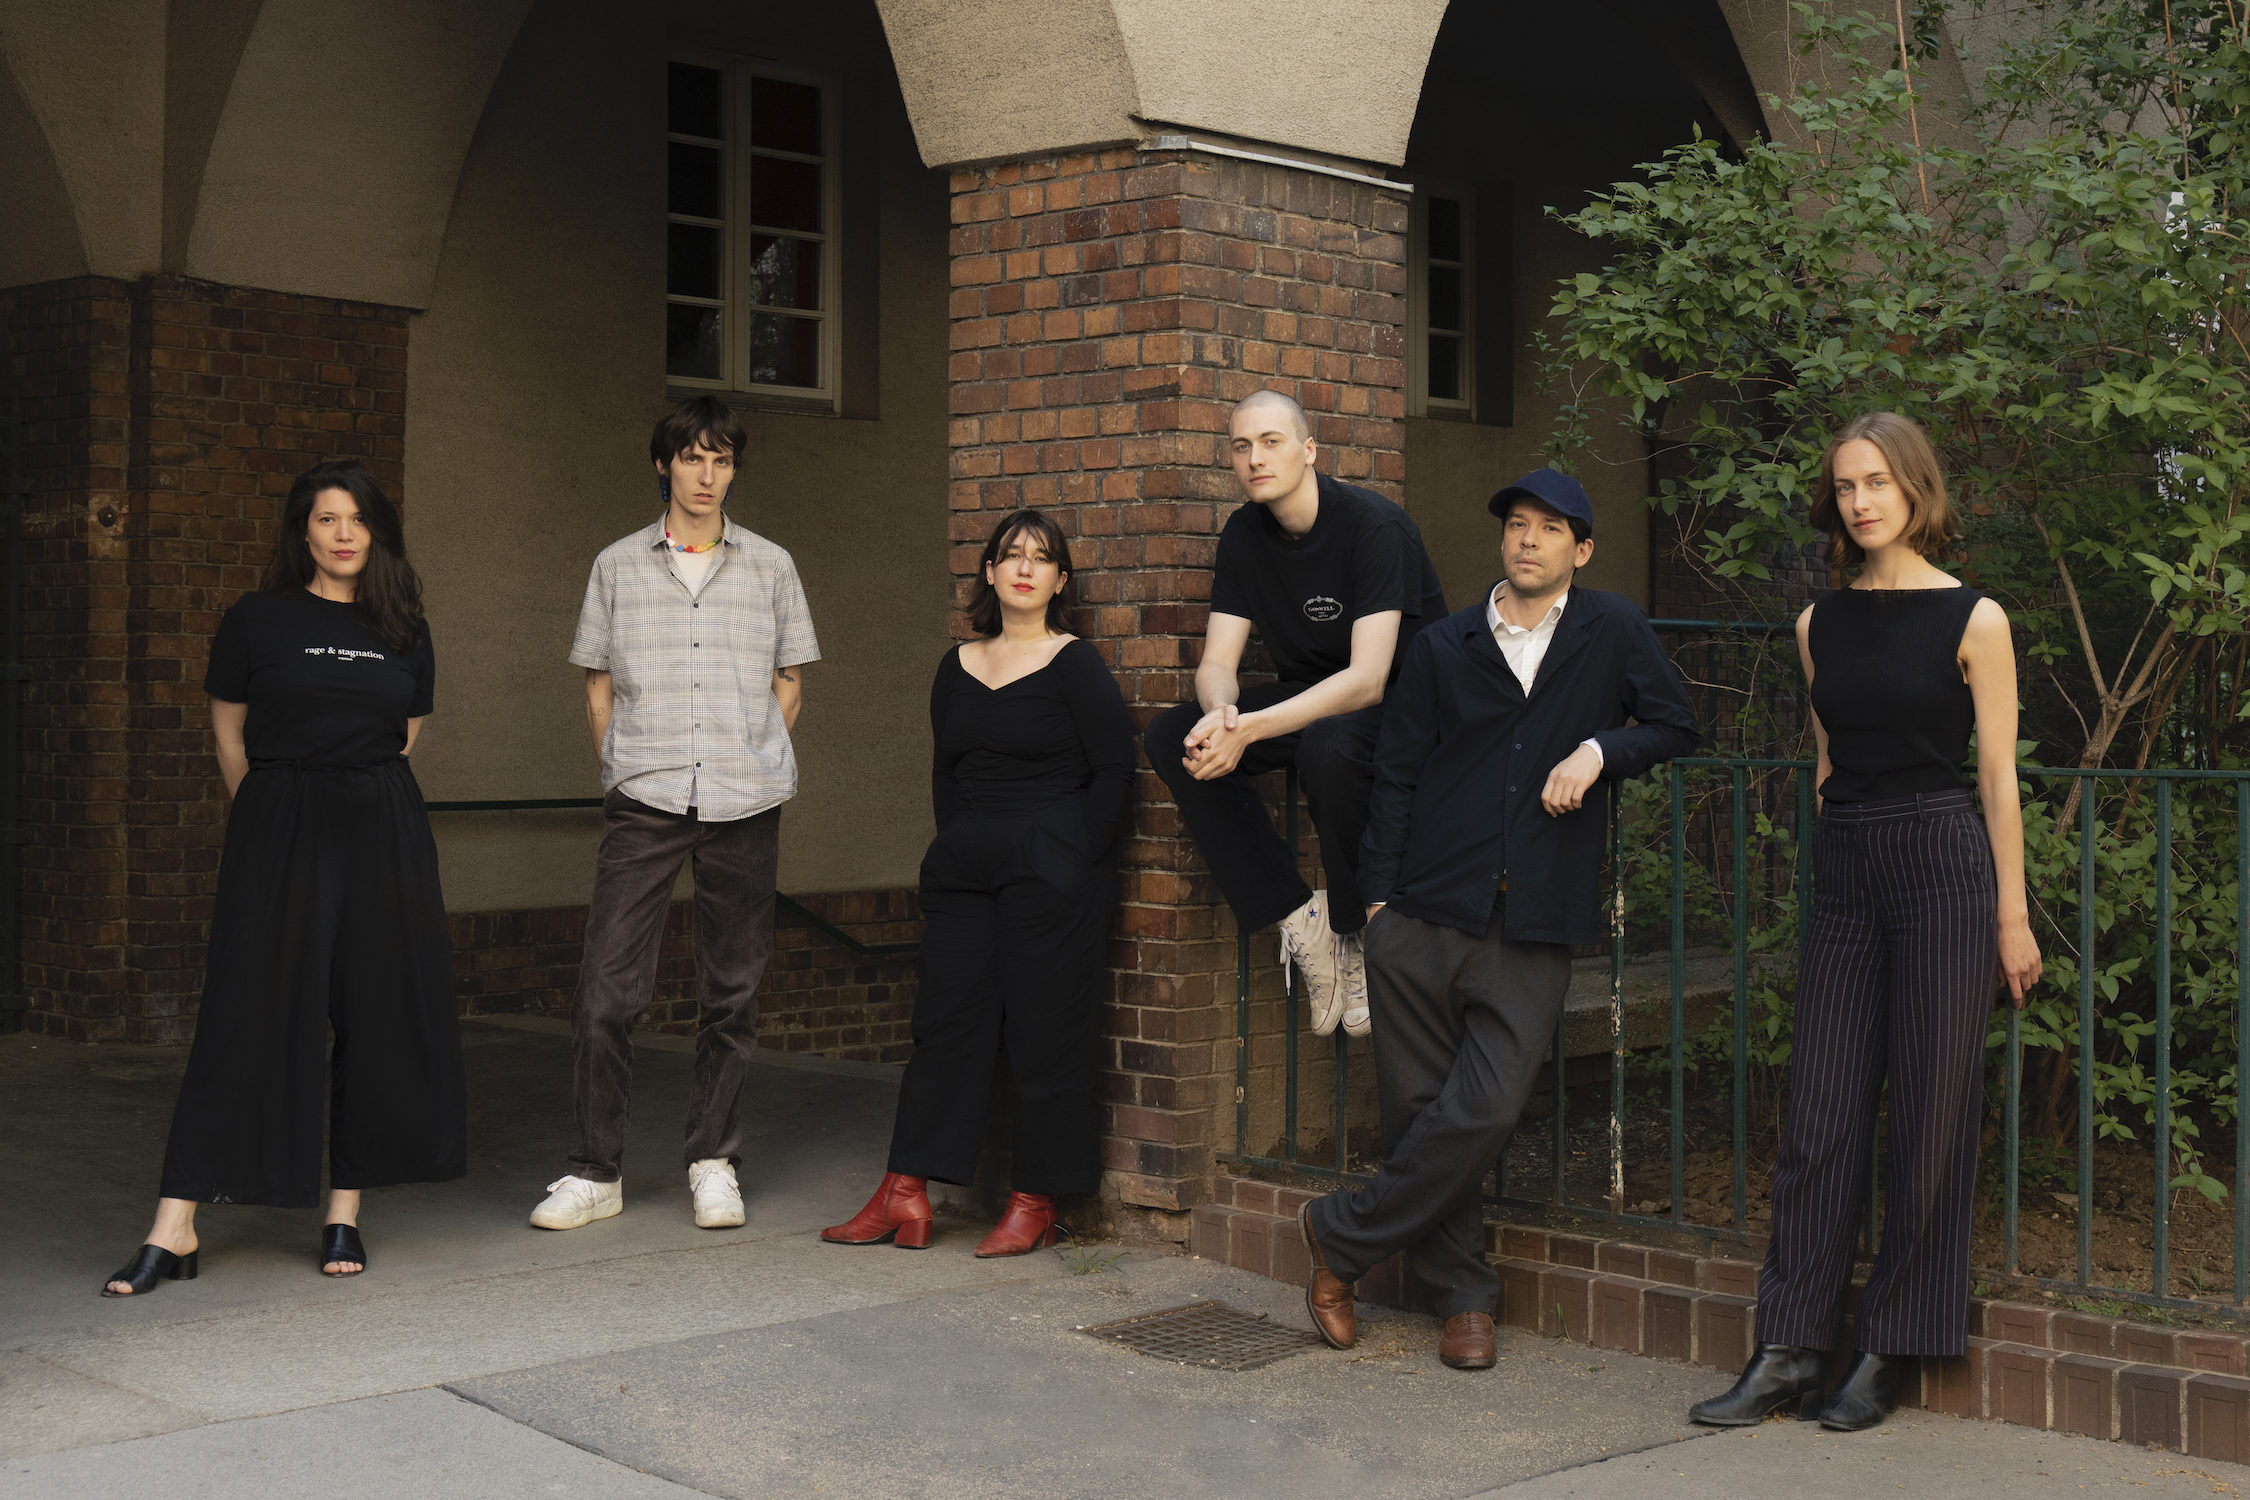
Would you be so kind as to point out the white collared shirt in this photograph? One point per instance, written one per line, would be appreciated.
(1523, 649)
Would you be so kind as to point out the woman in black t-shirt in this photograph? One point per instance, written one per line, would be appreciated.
(1031, 778)
(328, 912)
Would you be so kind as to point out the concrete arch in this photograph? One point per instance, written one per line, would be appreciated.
(1334, 77)
(39, 236)
(94, 115)
(334, 157)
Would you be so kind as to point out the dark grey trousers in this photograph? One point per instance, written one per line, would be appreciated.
(641, 853)
(1461, 1026)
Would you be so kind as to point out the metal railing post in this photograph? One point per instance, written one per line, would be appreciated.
(1617, 998)
(2241, 1032)
(1679, 993)
(2160, 1272)
(1741, 998)
(2086, 1029)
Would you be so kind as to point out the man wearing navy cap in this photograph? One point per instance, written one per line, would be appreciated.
(1481, 866)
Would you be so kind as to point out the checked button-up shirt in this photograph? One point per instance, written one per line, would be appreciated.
(691, 673)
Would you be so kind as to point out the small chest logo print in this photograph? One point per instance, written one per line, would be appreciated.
(344, 652)
(1322, 608)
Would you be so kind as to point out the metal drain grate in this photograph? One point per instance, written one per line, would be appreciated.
(1208, 1335)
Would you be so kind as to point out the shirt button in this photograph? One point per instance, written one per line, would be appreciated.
(694, 606)
(1511, 789)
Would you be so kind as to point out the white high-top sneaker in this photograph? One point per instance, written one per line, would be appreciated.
(718, 1198)
(1351, 984)
(1309, 945)
(573, 1201)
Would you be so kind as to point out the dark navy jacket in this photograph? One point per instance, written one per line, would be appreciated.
(1463, 757)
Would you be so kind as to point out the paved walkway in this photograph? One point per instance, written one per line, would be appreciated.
(644, 1357)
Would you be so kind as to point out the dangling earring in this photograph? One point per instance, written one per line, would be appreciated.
(664, 488)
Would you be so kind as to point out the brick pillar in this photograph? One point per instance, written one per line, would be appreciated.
(171, 416)
(1107, 310)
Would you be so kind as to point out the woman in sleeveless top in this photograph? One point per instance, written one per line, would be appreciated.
(1031, 783)
(1916, 903)
(328, 916)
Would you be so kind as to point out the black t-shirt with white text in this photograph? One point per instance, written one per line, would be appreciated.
(1302, 595)
(323, 689)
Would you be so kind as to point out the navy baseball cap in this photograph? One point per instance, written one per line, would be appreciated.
(1558, 492)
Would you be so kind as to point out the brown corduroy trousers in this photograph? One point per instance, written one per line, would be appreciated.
(641, 854)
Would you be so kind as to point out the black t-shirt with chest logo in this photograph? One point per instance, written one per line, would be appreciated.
(1302, 595)
(323, 689)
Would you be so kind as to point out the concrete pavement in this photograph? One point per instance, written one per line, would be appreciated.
(644, 1357)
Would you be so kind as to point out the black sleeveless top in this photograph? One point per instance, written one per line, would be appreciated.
(1887, 686)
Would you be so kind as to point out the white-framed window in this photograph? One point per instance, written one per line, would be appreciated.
(750, 239)
(1441, 255)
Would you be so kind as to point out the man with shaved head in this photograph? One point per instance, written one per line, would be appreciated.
(1334, 580)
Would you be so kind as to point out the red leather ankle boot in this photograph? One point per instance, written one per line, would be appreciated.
(1028, 1224)
(899, 1211)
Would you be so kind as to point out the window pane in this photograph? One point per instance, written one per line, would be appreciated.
(1445, 368)
(1445, 229)
(784, 272)
(692, 256)
(785, 116)
(695, 100)
(692, 186)
(784, 351)
(691, 342)
(1445, 298)
(784, 194)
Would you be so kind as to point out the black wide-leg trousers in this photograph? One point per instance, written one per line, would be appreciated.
(1462, 1024)
(737, 862)
(1008, 956)
(1255, 868)
(328, 920)
(1895, 978)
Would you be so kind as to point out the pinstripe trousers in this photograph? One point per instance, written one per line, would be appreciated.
(1895, 978)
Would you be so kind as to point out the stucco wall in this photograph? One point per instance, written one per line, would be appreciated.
(1623, 102)
(533, 380)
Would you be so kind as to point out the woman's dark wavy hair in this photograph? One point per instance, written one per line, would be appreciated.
(389, 594)
(984, 607)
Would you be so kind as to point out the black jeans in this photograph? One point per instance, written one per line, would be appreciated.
(1462, 1024)
(1011, 954)
(1895, 977)
(1256, 870)
(735, 865)
(328, 917)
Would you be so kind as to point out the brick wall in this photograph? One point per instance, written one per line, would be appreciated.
(1107, 309)
(172, 415)
(68, 356)
(817, 996)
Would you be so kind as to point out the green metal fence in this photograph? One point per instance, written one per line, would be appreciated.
(1733, 874)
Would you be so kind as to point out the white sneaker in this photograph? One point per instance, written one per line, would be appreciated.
(718, 1200)
(573, 1201)
(1351, 984)
(1307, 942)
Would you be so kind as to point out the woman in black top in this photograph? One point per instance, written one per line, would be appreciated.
(1033, 769)
(1916, 902)
(328, 912)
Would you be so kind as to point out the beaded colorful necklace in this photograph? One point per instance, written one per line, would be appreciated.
(691, 546)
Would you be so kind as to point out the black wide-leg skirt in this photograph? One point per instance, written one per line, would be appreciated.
(329, 917)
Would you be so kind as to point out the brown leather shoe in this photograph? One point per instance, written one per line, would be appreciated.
(1326, 1298)
(1467, 1342)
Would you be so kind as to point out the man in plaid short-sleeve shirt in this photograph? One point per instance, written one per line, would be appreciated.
(694, 636)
